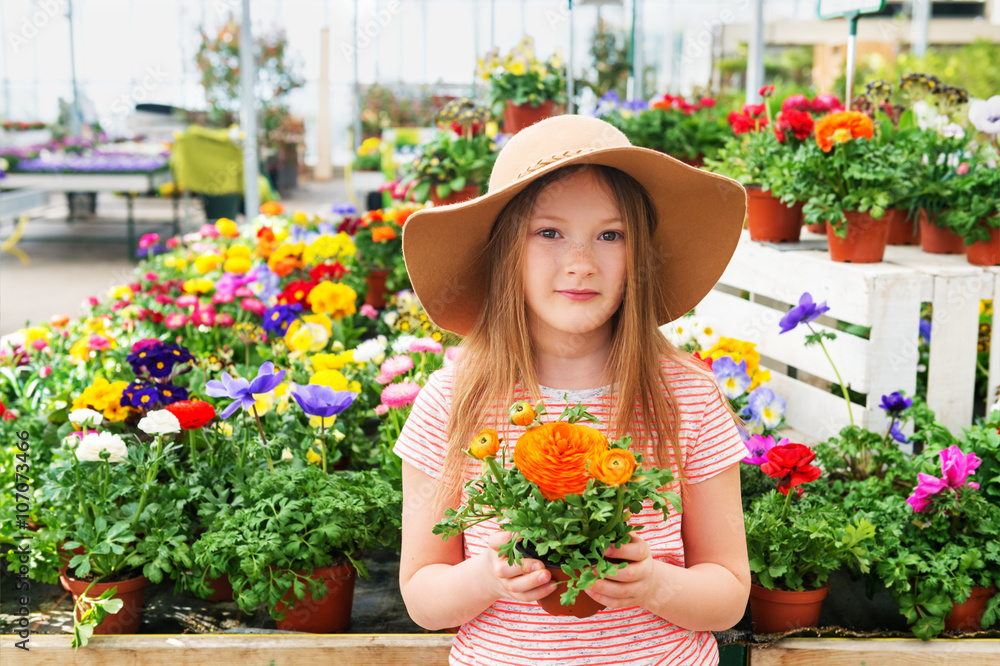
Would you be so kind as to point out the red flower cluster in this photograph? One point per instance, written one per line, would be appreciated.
(297, 292)
(349, 225)
(789, 463)
(333, 272)
(752, 118)
(799, 123)
(677, 102)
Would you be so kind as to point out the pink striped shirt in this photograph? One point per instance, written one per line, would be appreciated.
(515, 632)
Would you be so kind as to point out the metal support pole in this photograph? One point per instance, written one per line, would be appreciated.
(74, 115)
(852, 45)
(637, 59)
(569, 63)
(918, 27)
(630, 84)
(755, 54)
(357, 84)
(248, 117)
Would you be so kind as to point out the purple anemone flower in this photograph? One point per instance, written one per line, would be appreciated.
(322, 401)
(758, 446)
(803, 313)
(895, 403)
(242, 391)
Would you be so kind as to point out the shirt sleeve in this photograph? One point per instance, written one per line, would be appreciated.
(423, 441)
(718, 445)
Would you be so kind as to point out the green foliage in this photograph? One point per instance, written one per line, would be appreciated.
(796, 544)
(975, 202)
(295, 521)
(450, 162)
(521, 79)
(689, 136)
(757, 158)
(96, 610)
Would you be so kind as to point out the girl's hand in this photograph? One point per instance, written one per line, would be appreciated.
(530, 581)
(634, 584)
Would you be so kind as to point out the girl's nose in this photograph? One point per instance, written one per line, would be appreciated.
(580, 259)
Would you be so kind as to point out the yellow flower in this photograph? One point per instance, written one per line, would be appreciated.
(332, 378)
(369, 146)
(198, 286)
(317, 422)
(842, 135)
(313, 458)
(517, 67)
(95, 325)
(740, 350)
(80, 351)
(238, 265)
(281, 397)
(321, 319)
(300, 218)
(322, 362)
(102, 396)
(180, 263)
(120, 293)
(224, 429)
(286, 454)
(115, 412)
(329, 247)
(263, 404)
(227, 227)
(333, 298)
(33, 333)
(238, 251)
(302, 337)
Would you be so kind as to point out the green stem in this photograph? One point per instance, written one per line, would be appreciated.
(491, 461)
(322, 437)
(263, 439)
(191, 445)
(619, 507)
(784, 508)
(843, 387)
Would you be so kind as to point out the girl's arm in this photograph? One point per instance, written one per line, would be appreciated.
(440, 588)
(710, 593)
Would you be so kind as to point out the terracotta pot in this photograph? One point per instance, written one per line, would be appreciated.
(222, 589)
(770, 220)
(376, 287)
(517, 117)
(329, 615)
(901, 230)
(775, 611)
(818, 228)
(131, 592)
(865, 242)
(968, 615)
(584, 606)
(936, 240)
(464, 194)
(985, 253)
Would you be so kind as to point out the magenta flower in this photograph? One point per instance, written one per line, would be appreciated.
(209, 231)
(426, 345)
(956, 468)
(148, 240)
(758, 446)
(927, 486)
(175, 320)
(220, 297)
(400, 395)
(395, 366)
(368, 311)
(204, 316)
(225, 319)
(254, 306)
(98, 342)
(187, 301)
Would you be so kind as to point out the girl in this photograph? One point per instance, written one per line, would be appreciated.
(558, 278)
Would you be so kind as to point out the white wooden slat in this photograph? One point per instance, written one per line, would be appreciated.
(817, 412)
(951, 372)
(785, 275)
(757, 323)
(993, 385)
(893, 350)
(981, 279)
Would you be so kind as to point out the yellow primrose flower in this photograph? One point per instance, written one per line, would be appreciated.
(227, 227)
(317, 422)
(120, 293)
(80, 351)
(313, 458)
(179, 263)
(300, 217)
(332, 378)
(329, 247)
(115, 412)
(333, 298)
(206, 263)
(282, 398)
(198, 286)
(263, 403)
(322, 362)
(238, 265)
(302, 337)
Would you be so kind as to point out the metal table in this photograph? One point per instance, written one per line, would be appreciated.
(129, 184)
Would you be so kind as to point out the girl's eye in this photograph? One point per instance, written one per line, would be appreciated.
(611, 235)
(548, 233)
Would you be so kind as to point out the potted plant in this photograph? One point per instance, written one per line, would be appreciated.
(847, 177)
(366, 170)
(379, 239)
(688, 131)
(939, 554)
(296, 546)
(974, 211)
(456, 164)
(793, 546)
(523, 89)
(566, 519)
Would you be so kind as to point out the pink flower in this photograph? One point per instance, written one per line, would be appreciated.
(384, 379)
(381, 409)
(244, 292)
(209, 231)
(118, 305)
(225, 319)
(395, 366)
(425, 345)
(175, 320)
(91, 302)
(451, 355)
(163, 299)
(148, 239)
(400, 395)
(172, 242)
(151, 276)
(203, 316)
(142, 343)
(187, 301)
(825, 102)
(253, 305)
(98, 342)
(368, 311)
(927, 486)
(957, 467)
(796, 103)
(962, 169)
(39, 344)
(45, 371)
(222, 297)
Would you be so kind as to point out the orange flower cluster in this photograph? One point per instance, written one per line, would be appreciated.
(383, 233)
(555, 457)
(271, 208)
(842, 126)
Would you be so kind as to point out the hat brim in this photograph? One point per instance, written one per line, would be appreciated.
(700, 215)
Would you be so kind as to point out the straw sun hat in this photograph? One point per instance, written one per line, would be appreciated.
(699, 218)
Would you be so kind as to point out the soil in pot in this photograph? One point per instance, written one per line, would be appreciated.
(968, 616)
(769, 220)
(329, 615)
(131, 592)
(865, 241)
(902, 231)
(935, 240)
(776, 611)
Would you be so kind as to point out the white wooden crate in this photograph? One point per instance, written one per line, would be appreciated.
(885, 297)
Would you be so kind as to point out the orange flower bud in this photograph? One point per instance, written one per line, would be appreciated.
(613, 467)
(485, 444)
(522, 413)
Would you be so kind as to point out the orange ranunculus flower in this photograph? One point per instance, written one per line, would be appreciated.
(613, 467)
(383, 233)
(485, 444)
(554, 457)
(271, 208)
(403, 214)
(835, 127)
(522, 413)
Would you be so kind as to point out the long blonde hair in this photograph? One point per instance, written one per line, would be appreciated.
(496, 359)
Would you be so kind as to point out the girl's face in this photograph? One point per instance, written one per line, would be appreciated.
(574, 259)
